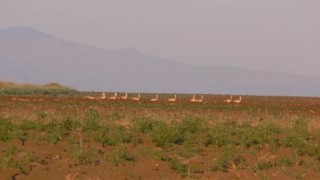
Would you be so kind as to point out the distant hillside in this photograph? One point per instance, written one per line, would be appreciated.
(51, 89)
(28, 55)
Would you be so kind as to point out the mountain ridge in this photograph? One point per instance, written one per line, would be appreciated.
(42, 58)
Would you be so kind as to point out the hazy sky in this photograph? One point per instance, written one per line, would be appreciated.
(270, 35)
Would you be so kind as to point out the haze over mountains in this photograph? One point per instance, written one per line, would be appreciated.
(28, 55)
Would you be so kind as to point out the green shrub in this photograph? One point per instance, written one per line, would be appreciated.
(295, 141)
(69, 124)
(301, 129)
(91, 120)
(151, 153)
(179, 167)
(6, 130)
(113, 136)
(265, 165)
(269, 135)
(52, 89)
(12, 160)
(120, 155)
(219, 135)
(285, 161)
(165, 135)
(247, 136)
(229, 155)
(114, 116)
(55, 132)
(11, 150)
(27, 125)
(145, 124)
(191, 125)
(81, 156)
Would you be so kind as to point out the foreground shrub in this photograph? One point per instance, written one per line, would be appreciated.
(120, 155)
(113, 135)
(81, 156)
(6, 130)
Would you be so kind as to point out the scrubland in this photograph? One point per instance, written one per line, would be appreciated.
(70, 137)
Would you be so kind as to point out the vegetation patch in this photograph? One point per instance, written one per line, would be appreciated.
(52, 89)
(195, 141)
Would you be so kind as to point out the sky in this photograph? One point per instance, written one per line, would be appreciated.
(262, 35)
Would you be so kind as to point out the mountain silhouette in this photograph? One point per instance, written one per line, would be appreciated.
(31, 56)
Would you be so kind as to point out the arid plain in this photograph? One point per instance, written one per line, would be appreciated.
(72, 137)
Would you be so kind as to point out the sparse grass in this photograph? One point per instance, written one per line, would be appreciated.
(298, 176)
(11, 150)
(165, 135)
(189, 139)
(14, 158)
(54, 132)
(151, 153)
(179, 167)
(230, 156)
(91, 120)
(285, 161)
(113, 136)
(82, 156)
(6, 130)
(265, 165)
(145, 124)
(120, 154)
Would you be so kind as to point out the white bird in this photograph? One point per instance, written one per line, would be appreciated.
(237, 101)
(173, 99)
(124, 97)
(155, 99)
(228, 100)
(103, 96)
(193, 98)
(199, 100)
(136, 98)
(114, 97)
(89, 97)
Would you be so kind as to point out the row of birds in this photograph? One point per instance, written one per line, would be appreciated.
(156, 98)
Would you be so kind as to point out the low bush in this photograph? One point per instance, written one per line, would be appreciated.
(120, 155)
(113, 136)
(81, 156)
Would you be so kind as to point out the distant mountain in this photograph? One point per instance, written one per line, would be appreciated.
(30, 56)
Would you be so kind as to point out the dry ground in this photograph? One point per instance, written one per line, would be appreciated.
(75, 138)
